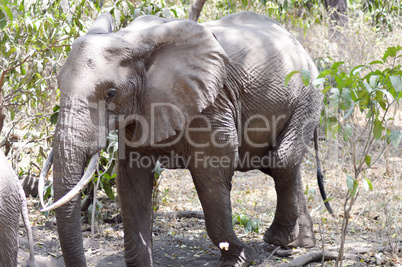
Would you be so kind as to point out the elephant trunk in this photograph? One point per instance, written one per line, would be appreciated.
(68, 169)
(73, 144)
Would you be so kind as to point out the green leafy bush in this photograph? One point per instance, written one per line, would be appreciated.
(358, 105)
(35, 40)
(369, 93)
(249, 224)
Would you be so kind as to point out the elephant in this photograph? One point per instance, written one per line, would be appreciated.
(12, 203)
(208, 97)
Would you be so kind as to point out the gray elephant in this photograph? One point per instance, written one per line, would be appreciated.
(12, 203)
(207, 97)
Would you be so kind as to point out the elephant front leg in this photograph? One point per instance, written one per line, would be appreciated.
(213, 187)
(292, 225)
(135, 185)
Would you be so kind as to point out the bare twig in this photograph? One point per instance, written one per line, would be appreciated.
(345, 222)
(94, 205)
(273, 252)
(322, 229)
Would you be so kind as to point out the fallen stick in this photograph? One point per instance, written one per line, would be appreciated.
(181, 214)
(170, 215)
(316, 256)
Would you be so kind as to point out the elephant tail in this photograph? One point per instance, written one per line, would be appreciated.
(320, 174)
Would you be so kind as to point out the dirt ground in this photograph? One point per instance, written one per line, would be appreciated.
(375, 221)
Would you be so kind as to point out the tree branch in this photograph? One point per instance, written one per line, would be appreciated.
(316, 256)
(195, 9)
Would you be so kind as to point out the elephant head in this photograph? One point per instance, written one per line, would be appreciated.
(149, 78)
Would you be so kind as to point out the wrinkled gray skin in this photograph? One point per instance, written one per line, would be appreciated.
(215, 80)
(12, 203)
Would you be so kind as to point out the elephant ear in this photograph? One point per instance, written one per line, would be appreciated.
(185, 71)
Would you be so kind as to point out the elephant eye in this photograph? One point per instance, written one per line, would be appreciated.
(110, 93)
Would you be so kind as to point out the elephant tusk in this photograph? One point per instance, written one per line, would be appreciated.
(43, 175)
(79, 186)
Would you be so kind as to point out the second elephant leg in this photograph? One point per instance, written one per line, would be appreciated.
(213, 187)
(292, 225)
(134, 184)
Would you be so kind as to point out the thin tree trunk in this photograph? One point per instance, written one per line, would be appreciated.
(2, 116)
(338, 12)
(195, 9)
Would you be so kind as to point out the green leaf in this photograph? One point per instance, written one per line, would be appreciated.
(355, 185)
(385, 92)
(374, 81)
(243, 220)
(396, 82)
(109, 191)
(318, 82)
(390, 52)
(12, 114)
(334, 97)
(249, 226)
(339, 81)
(383, 105)
(346, 97)
(306, 76)
(349, 182)
(357, 69)
(289, 76)
(325, 90)
(367, 185)
(395, 138)
(347, 132)
(324, 73)
(336, 128)
(367, 159)
(336, 65)
(376, 62)
(377, 130)
(9, 13)
(158, 169)
(368, 87)
(174, 13)
(54, 117)
(235, 219)
(3, 21)
(349, 112)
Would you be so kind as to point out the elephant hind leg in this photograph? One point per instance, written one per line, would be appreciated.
(292, 225)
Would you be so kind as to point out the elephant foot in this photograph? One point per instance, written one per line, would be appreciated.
(305, 239)
(280, 235)
(238, 256)
(299, 235)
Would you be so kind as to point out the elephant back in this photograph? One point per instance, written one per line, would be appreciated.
(263, 52)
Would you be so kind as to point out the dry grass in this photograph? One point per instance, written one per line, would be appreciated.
(357, 44)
